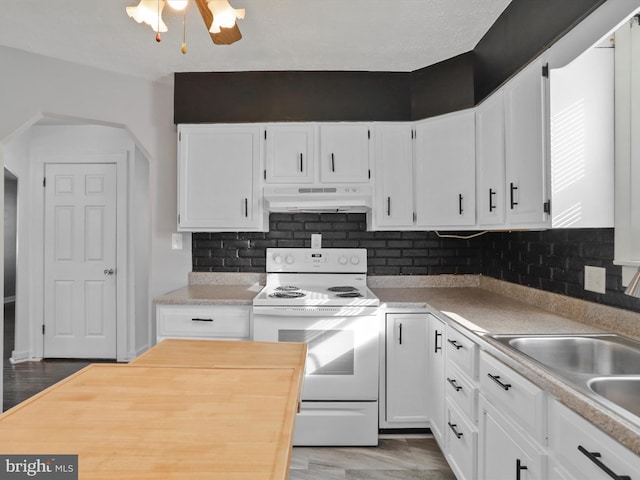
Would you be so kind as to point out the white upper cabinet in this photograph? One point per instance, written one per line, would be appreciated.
(344, 153)
(445, 171)
(289, 153)
(490, 166)
(393, 176)
(582, 141)
(526, 147)
(219, 178)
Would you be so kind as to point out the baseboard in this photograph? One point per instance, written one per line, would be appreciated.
(20, 357)
(11, 299)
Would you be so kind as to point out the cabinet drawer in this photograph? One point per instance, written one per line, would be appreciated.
(461, 441)
(515, 395)
(461, 391)
(462, 351)
(202, 322)
(585, 451)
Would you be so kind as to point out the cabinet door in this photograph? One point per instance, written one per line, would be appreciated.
(490, 160)
(218, 178)
(344, 153)
(436, 378)
(393, 175)
(526, 130)
(289, 153)
(445, 171)
(406, 369)
(503, 452)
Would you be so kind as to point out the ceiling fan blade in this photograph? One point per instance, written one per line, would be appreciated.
(227, 36)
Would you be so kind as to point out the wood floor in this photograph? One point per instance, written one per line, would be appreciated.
(396, 457)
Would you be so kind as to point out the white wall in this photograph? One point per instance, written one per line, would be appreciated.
(32, 85)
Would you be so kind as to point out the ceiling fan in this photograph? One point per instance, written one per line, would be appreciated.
(218, 16)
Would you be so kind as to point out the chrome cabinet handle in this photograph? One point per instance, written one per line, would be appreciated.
(496, 378)
(594, 457)
(109, 271)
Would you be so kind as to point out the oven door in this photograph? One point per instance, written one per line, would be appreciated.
(342, 358)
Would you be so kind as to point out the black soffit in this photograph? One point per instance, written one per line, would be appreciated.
(524, 30)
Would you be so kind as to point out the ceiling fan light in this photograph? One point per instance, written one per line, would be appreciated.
(178, 4)
(149, 12)
(224, 15)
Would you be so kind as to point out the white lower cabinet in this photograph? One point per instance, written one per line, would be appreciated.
(581, 451)
(213, 322)
(436, 367)
(461, 443)
(504, 451)
(406, 389)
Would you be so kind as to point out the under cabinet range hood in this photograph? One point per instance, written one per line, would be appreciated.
(319, 199)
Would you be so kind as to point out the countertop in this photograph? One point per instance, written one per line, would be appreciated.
(479, 306)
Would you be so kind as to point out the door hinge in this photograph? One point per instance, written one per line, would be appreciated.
(43, 328)
(264, 173)
(265, 134)
(546, 207)
(44, 182)
(545, 70)
(369, 173)
(369, 134)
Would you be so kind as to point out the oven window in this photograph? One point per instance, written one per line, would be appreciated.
(329, 352)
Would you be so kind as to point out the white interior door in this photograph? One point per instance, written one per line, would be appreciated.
(79, 261)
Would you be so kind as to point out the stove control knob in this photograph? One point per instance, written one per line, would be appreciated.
(277, 259)
(355, 260)
(343, 260)
(289, 259)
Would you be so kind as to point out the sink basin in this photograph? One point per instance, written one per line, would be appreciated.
(589, 355)
(623, 391)
(580, 354)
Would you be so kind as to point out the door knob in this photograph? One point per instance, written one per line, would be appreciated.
(109, 271)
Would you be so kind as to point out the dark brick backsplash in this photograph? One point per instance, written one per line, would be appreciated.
(390, 253)
(551, 260)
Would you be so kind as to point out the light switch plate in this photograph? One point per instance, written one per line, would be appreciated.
(595, 279)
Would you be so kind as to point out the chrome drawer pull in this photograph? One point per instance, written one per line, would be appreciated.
(452, 382)
(202, 319)
(453, 426)
(496, 378)
(455, 344)
(594, 456)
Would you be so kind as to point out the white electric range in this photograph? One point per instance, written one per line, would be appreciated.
(320, 296)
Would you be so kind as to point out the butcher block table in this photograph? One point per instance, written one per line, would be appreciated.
(148, 422)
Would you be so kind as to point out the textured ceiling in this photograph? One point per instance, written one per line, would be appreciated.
(373, 35)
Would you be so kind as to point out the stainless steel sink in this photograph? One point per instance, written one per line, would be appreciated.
(593, 355)
(605, 367)
(623, 391)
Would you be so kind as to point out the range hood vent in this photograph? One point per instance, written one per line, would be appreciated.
(319, 199)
